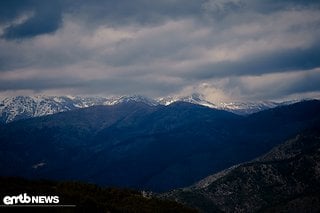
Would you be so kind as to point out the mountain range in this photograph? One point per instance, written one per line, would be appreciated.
(145, 146)
(22, 107)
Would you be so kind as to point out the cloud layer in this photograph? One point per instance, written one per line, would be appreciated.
(227, 50)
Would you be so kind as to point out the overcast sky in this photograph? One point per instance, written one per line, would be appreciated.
(225, 49)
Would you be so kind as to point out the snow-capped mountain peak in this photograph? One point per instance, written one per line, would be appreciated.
(21, 107)
(138, 98)
(195, 98)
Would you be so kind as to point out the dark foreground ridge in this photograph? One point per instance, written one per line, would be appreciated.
(287, 179)
(86, 197)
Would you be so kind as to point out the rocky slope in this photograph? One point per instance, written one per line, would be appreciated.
(287, 179)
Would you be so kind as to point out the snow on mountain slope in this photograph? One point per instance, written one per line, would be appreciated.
(195, 98)
(21, 107)
(240, 108)
(248, 107)
(136, 98)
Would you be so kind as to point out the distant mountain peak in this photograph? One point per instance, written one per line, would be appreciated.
(138, 98)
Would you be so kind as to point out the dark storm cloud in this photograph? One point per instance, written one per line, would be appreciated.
(11, 9)
(270, 6)
(276, 86)
(278, 61)
(116, 12)
(45, 16)
(39, 84)
(307, 83)
(120, 86)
